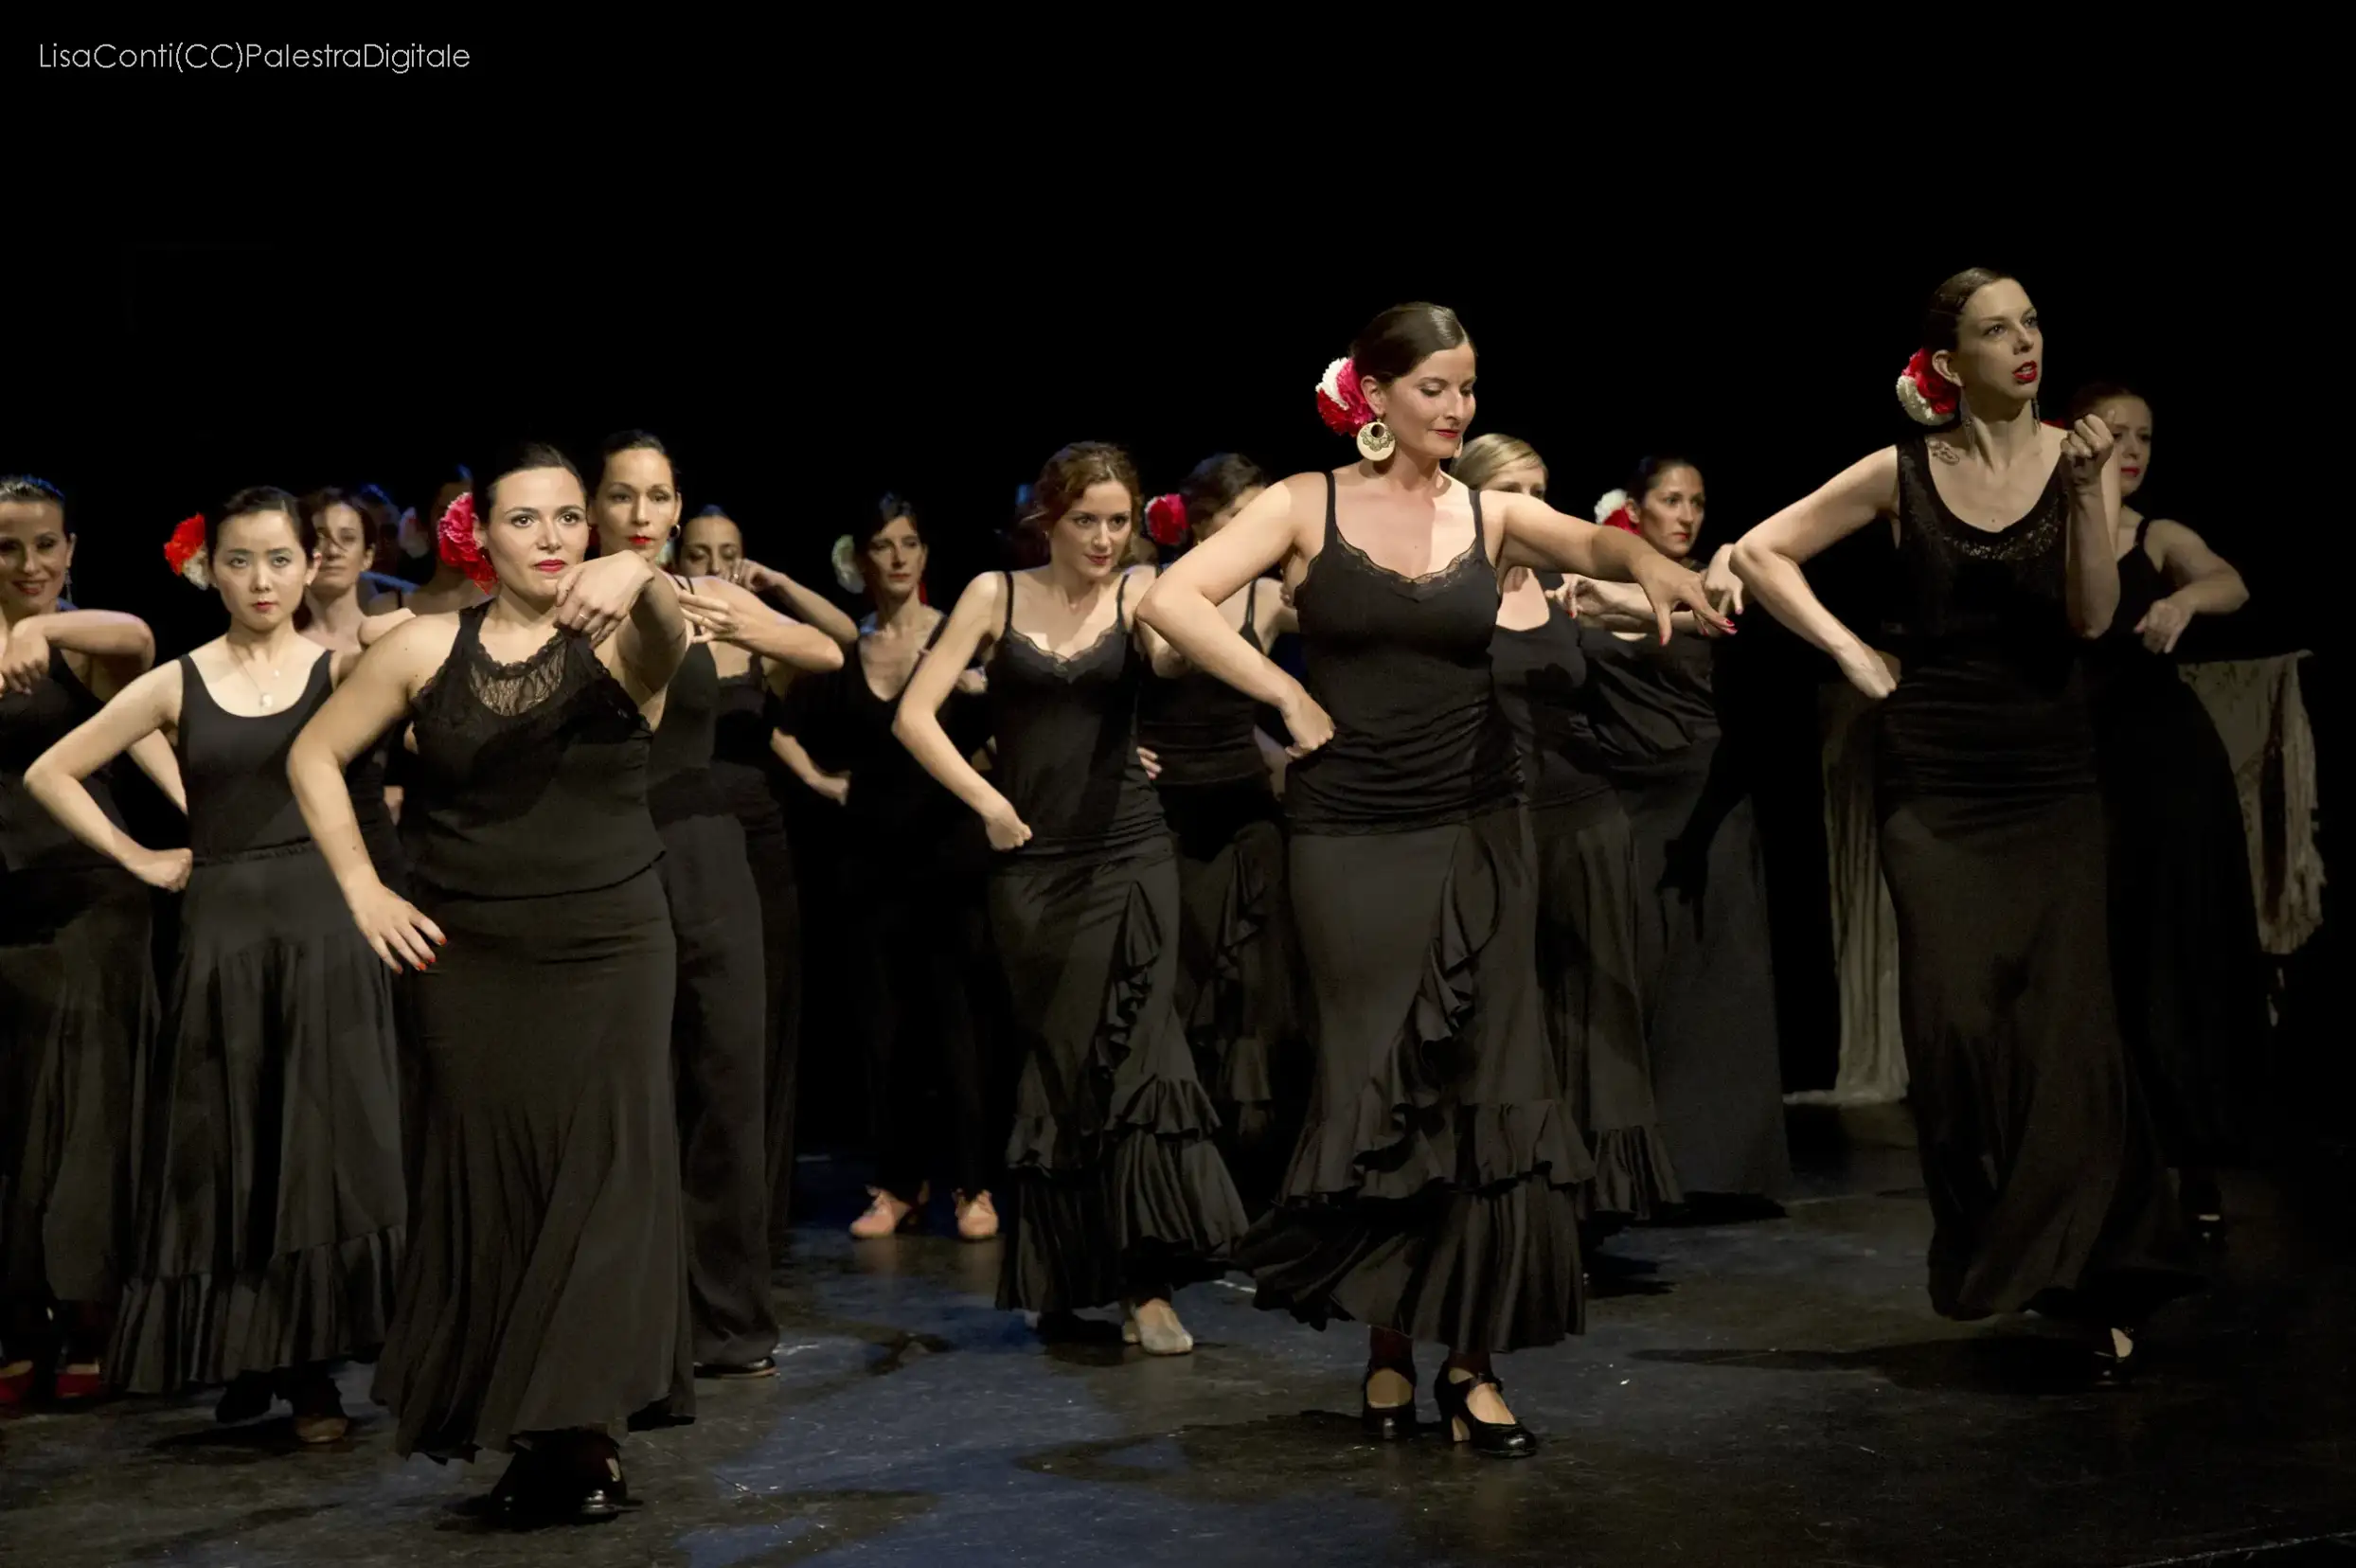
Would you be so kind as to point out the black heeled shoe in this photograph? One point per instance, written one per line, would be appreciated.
(1387, 1423)
(577, 1481)
(1508, 1441)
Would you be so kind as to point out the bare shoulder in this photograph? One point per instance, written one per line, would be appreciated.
(412, 652)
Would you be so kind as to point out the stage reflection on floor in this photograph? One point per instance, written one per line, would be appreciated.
(1761, 1393)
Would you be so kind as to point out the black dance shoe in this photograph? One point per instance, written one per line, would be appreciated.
(1510, 1441)
(568, 1479)
(738, 1371)
(1388, 1423)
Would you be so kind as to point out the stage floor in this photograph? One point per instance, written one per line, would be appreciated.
(1768, 1393)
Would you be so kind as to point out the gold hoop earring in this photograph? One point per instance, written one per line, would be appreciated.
(1375, 440)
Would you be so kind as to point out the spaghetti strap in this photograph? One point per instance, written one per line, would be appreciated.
(1480, 530)
(1333, 524)
(1007, 626)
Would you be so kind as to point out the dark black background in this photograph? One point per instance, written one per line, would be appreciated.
(922, 265)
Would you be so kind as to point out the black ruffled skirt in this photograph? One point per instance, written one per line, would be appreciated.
(76, 1012)
(1588, 910)
(1234, 977)
(268, 1174)
(546, 1284)
(1433, 1189)
(1114, 1185)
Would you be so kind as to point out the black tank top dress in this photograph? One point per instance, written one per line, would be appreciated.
(1234, 981)
(1703, 964)
(1116, 1183)
(1432, 1188)
(547, 1280)
(271, 1201)
(2186, 960)
(2038, 1151)
(76, 1011)
(1588, 915)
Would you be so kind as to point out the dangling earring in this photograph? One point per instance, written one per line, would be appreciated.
(1375, 440)
(65, 592)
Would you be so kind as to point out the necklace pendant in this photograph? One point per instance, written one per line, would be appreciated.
(268, 701)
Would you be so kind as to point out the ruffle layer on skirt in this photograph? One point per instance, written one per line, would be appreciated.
(1423, 1206)
(1410, 1129)
(1232, 1015)
(1121, 1184)
(1634, 1177)
(324, 1303)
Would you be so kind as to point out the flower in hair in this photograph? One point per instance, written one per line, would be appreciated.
(1340, 401)
(1927, 398)
(845, 560)
(1614, 511)
(459, 547)
(186, 552)
(1166, 520)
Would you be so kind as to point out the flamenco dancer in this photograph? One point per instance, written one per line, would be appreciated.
(712, 545)
(1219, 781)
(544, 1297)
(267, 1163)
(2189, 974)
(2045, 1184)
(1586, 867)
(1116, 1190)
(77, 998)
(719, 1011)
(1702, 964)
(334, 619)
(916, 860)
(1431, 1195)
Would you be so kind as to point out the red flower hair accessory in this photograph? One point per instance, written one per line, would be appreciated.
(456, 534)
(186, 552)
(1927, 398)
(1166, 520)
(1340, 402)
(1614, 511)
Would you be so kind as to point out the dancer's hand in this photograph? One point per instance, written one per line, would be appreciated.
(1671, 588)
(1151, 762)
(166, 869)
(1725, 588)
(714, 618)
(395, 928)
(2086, 447)
(1007, 830)
(595, 598)
(834, 786)
(754, 577)
(1870, 670)
(2162, 625)
(972, 682)
(1309, 725)
(24, 656)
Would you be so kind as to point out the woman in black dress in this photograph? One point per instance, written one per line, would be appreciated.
(270, 1209)
(1703, 962)
(1116, 1190)
(334, 621)
(1219, 781)
(1586, 864)
(2185, 954)
(2045, 1183)
(719, 1008)
(1430, 1195)
(77, 1000)
(744, 769)
(544, 1298)
(916, 862)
